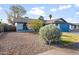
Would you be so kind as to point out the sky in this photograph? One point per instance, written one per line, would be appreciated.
(70, 12)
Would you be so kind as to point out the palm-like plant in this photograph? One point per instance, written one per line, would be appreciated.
(50, 16)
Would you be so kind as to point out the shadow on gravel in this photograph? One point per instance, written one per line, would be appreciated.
(3, 35)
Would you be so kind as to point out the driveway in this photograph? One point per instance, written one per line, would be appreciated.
(22, 44)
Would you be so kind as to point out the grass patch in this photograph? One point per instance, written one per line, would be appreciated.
(66, 42)
(70, 38)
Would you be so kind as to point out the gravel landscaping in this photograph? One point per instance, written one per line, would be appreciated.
(22, 43)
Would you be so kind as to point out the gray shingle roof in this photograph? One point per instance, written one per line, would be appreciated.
(21, 19)
(26, 19)
(49, 21)
(74, 23)
(59, 20)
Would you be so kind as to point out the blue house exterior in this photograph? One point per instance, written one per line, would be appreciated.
(64, 27)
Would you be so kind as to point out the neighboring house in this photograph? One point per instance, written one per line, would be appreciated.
(63, 25)
(74, 27)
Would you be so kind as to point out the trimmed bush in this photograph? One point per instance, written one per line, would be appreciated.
(35, 25)
(50, 33)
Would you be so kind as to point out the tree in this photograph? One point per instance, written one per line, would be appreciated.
(35, 25)
(50, 16)
(41, 18)
(10, 20)
(10, 17)
(17, 10)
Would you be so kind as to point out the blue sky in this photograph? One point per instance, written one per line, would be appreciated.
(70, 12)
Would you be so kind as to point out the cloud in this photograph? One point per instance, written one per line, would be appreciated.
(62, 7)
(1, 8)
(70, 20)
(53, 9)
(41, 7)
(37, 11)
(77, 13)
(77, 5)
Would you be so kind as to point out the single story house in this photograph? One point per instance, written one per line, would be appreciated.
(63, 25)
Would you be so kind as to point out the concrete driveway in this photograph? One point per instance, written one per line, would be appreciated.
(60, 51)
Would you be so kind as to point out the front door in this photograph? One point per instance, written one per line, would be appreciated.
(25, 26)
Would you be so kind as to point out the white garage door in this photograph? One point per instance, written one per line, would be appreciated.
(19, 26)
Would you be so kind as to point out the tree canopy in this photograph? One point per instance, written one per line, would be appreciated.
(35, 25)
(41, 18)
(17, 10)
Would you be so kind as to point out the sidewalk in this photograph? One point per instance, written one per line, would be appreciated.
(60, 51)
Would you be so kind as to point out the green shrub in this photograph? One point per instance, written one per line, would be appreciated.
(35, 25)
(50, 33)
